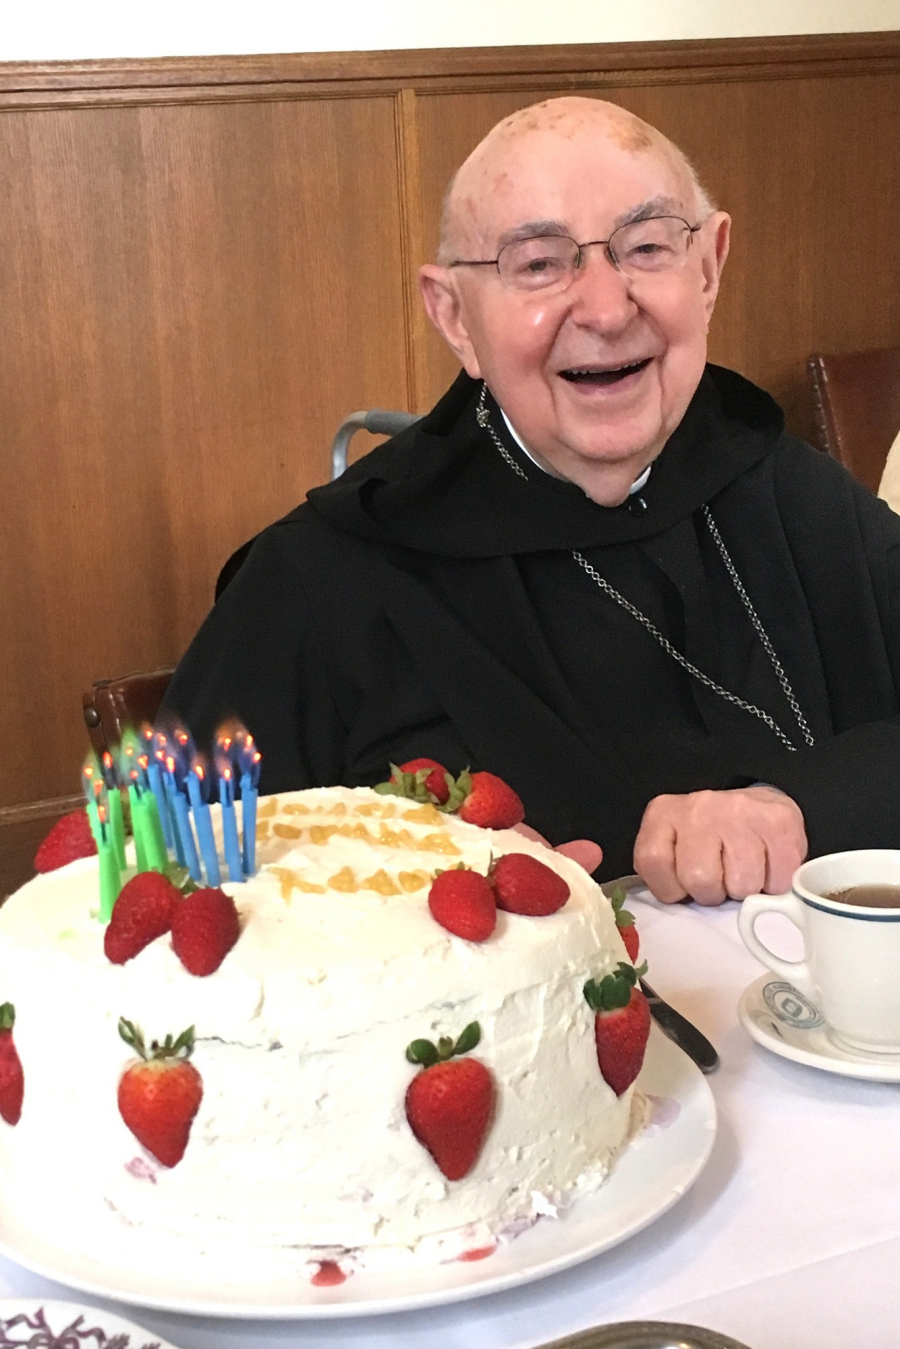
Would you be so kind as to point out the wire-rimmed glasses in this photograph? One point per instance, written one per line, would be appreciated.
(640, 248)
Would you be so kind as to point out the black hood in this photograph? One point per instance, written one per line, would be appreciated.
(441, 487)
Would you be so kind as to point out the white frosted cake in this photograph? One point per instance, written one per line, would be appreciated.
(301, 1152)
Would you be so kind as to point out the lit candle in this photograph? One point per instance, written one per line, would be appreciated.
(155, 853)
(154, 777)
(185, 844)
(116, 820)
(229, 824)
(195, 779)
(249, 794)
(92, 786)
(138, 826)
(110, 877)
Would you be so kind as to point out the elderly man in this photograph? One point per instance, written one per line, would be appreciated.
(598, 567)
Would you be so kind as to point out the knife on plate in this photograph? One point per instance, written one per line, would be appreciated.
(681, 1031)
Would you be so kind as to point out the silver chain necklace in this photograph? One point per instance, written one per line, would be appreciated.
(483, 418)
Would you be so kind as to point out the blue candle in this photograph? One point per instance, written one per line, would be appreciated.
(229, 825)
(171, 789)
(154, 777)
(250, 758)
(203, 822)
(184, 834)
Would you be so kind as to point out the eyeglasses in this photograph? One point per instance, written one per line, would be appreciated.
(640, 248)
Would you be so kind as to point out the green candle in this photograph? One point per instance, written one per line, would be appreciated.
(116, 819)
(155, 852)
(117, 826)
(92, 785)
(110, 877)
(138, 828)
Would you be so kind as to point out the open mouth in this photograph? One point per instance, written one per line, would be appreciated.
(586, 375)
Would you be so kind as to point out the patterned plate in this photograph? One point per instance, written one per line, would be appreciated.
(65, 1325)
(647, 1335)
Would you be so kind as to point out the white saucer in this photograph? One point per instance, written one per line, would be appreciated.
(783, 1020)
(38, 1321)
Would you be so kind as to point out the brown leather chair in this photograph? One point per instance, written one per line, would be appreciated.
(114, 704)
(857, 405)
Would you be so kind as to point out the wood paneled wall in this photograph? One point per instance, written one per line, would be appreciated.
(205, 264)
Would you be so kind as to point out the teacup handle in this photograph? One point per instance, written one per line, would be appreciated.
(797, 972)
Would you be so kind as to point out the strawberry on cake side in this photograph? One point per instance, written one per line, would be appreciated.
(346, 1031)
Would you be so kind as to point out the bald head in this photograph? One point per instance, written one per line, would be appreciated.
(535, 133)
(593, 363)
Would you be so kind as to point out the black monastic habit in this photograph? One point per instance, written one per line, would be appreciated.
(428, 603)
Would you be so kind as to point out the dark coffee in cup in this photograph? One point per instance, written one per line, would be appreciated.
(867, 896)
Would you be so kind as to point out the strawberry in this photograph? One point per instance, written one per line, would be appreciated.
(522, 884)
(463, 902)
(69, 839)
(436, 782)
(625, 922)
(205, 926)
(621, 1024)
(142, 912)
(12, 1079)
(160, 1093)
(423, 780)
(449, 1105)
(485, 800)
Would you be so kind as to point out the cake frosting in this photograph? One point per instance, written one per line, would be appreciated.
(301, 1151)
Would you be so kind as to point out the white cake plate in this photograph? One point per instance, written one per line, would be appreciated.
(649, 1177)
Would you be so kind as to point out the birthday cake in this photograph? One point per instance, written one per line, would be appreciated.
(304, 1153)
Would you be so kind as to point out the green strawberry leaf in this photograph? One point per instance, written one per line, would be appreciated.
(7, 1016)
(459, 791)
(468, 1039)
(617, 894)
(613, 991)
(423, 1052)
(132, 1036)
(180, 877)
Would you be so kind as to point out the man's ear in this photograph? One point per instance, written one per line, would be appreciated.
(718, 229)
(440, 295)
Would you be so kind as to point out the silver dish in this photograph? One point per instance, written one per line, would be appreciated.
(647, 1335)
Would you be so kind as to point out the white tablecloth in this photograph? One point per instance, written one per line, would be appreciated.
(790, 1239)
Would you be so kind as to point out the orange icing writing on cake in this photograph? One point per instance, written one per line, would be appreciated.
(381, 883)
(413, 880)
(344, 880)
(292, 880)
(426, 814)
(286, 830)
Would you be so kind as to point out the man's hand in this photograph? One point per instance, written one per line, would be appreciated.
(715, 845)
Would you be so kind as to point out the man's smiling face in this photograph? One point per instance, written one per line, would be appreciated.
(595, 376)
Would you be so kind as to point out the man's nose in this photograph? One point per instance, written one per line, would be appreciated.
(601, 295)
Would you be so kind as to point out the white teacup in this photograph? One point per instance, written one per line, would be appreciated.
(851, 969)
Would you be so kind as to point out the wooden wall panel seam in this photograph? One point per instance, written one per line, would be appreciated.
(412, 234)
(11, 102)
(414, 64)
